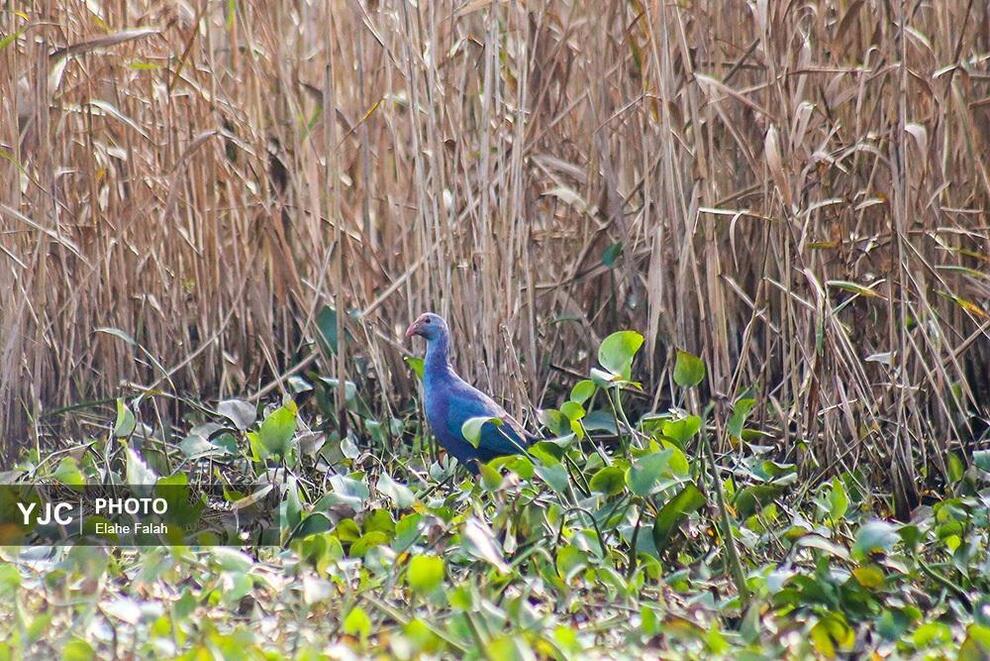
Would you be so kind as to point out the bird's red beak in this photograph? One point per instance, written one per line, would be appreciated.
(413, 328)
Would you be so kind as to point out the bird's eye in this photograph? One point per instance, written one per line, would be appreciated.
(427, 320)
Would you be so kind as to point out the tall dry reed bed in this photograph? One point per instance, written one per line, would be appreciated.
(796, 191)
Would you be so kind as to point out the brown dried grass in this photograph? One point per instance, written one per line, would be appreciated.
(800, 192)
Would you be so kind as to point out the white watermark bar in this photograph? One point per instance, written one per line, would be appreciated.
(140, 515)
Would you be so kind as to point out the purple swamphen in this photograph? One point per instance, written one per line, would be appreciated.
(451, 401)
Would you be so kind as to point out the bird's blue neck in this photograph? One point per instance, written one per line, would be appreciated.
(437, 355)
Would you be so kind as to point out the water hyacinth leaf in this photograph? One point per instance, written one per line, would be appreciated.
(869, 576)
(291, 505)
(425, 573)
(838, 501)
(350, 388)
(195, 446)
(471, 429)
(68, 472)
(277, 430)
(241, 413)
(981, 458)
(977, 643)
(875, 537)
(78, 649)
(555, 421)
(357, 623)
(570, 562)
(491, 479)
(298, 384)
(572, 410)
(367, 542)
(689, 370)
(599, 420)
(956, 467)
(751, 499)
(230, 559)
(326, 323)
(479, 541)
(349, 491)
(125, 423)
(546, 452)
(554, 475)
(519, 464)
(688, 500)
(682, 430)
(737, 420)
(138, 471)
(582, 391)
(644, 474)
(416, 364)
(832, 634)
(400, 495)
(617, 351)
(609, 480)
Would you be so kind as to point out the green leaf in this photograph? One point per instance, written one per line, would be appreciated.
(125, 423)
(425, 573)
(982, 460)
(831, 634)
(689, 370)
(600, 421)
(350, 388)
(572, 410)
(349, 491)
(479, 541)
(738, 418)
(869, 576)
(400, 495)
(368, 541)
(675, 511)
(77, 649)
(241, 413)
(555, 476)
(10, 579)
(416, 364)
(956, 468)
(571, 561)
(326, 323)
(681, 431)
(555, 421)
(609, 480)
(644, 474)
(68, 472)
(751, 499)
(10, 38)
(357, 623)
(471, 429)
(875, 537)
(491, 479)
(976, 647)
(277, 431)
(582, 391)
(138, 471)
(838, 501)
(617, 351)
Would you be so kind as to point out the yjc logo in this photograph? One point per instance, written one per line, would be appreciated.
(59, 513)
